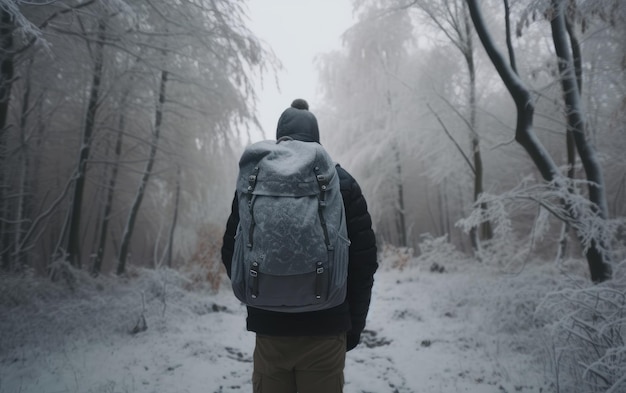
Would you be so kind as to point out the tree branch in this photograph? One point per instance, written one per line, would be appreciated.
(520, 94)
(458, 147)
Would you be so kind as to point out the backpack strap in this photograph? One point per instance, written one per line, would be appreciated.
(251, 184)
(323, 182)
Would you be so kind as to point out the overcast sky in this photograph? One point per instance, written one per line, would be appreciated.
(296, 30)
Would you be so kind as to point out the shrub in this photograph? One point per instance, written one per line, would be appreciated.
(396, 257)
(587, 334)
(434, 251)
(205, 265)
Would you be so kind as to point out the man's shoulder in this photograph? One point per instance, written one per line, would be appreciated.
(344, 175)
(347, 182)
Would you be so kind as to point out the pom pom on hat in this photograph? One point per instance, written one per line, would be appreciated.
(299, 103)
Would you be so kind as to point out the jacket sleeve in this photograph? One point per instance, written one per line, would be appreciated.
(228, 244)
(363, 255)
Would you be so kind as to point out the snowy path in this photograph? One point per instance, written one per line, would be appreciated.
(438, 341)
(427, 332)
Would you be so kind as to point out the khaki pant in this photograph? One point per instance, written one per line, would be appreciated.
(299, 364)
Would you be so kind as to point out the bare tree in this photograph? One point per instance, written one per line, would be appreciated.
(375, 48)
(74, 230)
(141, 190)
(597, 253)
(13, 23)
(452, 18)
(211, 55)
(170, 241)
(110, 190)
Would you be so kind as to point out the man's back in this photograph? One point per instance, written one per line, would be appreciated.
(305, 351)
(291, 247)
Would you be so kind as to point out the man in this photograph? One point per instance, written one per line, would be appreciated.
(305, 352)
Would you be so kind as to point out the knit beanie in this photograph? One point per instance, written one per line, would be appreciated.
(298, 123)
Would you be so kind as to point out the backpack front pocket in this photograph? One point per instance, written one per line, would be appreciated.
(296, 293)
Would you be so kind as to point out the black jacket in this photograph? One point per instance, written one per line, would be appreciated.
(348, 317)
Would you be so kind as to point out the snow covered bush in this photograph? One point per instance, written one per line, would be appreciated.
(395, 257)
(513, 309)
(45, 314)
(563, 200)
(438, 253)
(587, 335)
(205, 265)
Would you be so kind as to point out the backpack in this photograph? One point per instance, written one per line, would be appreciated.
(291, 244)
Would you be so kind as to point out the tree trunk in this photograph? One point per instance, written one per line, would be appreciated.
(6, 66)
(485, 229)
(108, 207)
(24, 158)
(453, 19)
(130, 224)
(400, 210)
(101, 206)
(569, 136)
(571, 82)
(75, 230)
(170, 243)
(442, 223)
(6, 80)
(524, 128)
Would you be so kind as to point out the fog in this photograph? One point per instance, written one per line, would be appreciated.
(297, 32)
(479, 133)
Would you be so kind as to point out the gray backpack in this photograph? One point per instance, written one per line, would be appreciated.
(291, 246)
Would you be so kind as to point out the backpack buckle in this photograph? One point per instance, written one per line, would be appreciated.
(318, 280)
(254, 269)
(254, 273)
(252, 179)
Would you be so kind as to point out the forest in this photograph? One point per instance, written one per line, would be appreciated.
(492, 128)
(119, 119)
(489, 122)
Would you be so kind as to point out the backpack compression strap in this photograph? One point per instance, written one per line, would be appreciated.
(251, 184)
(323, 182)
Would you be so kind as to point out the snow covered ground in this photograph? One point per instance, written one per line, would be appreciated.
(469, 329)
